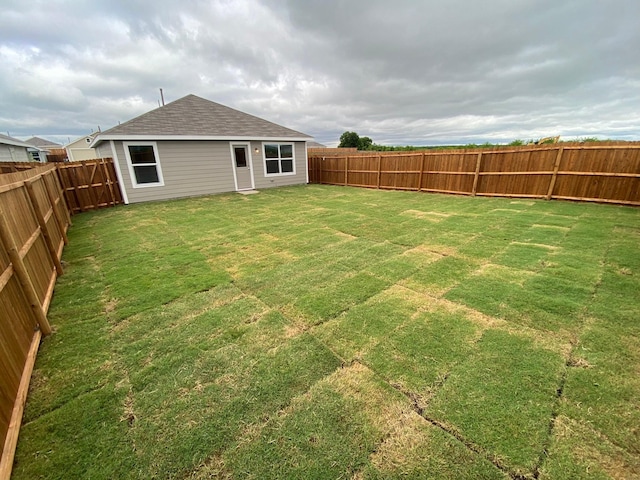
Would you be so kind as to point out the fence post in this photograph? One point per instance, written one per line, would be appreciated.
(65, 189)
(346, 170)
(421, 172)
(43, 225)
(395, 172)
(554, 176)
(11, 440)
(476, 175)
(23, 276)
(379, 171)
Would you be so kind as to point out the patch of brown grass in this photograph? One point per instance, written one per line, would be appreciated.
(552, 227)
(212, 467)
(346, 236)
(594, 451)
(541, 245)
(430, 216)
(403, 446)
(504, 273)
(128, 414)
(577, 362)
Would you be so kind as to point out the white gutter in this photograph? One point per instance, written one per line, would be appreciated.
(226, 138)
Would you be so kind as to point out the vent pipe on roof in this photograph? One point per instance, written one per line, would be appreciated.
(162, 97)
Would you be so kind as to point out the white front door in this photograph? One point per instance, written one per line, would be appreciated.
(241, 163)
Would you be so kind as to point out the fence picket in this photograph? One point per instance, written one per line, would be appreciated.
(589, 172)
(32, 236)
(43, 226)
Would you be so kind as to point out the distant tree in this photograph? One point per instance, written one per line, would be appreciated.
(353, 140)
(365, 143)
(516, 143)
(349, 140)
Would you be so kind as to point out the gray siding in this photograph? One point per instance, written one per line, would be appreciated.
(104, 150)
(10, 153)
(300, 153)
(189, 168)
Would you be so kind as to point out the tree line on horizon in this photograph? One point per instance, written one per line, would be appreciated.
(354, 140)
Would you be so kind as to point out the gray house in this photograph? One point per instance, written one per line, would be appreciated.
(14, 150)
(43, 147)
(193, 146)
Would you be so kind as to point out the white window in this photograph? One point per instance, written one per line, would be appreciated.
(279, 159)
(144, 164)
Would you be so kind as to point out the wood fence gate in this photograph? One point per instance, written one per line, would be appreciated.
(88, 185)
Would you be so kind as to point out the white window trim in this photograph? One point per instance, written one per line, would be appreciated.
(264, 159)
(134, 183)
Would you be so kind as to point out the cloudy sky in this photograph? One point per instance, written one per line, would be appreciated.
(419, 72)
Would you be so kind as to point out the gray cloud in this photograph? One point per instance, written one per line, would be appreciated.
(407, 72)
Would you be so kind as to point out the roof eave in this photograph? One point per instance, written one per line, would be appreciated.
(18, 143)
(225, 138)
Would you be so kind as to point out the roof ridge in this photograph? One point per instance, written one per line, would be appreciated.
(193, 116)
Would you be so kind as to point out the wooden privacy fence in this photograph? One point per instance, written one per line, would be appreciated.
(56, 155)
(594, 173)
(88, 185)
(33, 231)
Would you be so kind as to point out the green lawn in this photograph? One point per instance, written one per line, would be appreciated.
(333, 332)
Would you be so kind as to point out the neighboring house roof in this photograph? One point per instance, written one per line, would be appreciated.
(42, 143)
(5, 139)
(315, 145)
(195, 118)
(85, 144)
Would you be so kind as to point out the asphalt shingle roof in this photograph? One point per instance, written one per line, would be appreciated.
(42, 143)
(7, 140)
(193, 116)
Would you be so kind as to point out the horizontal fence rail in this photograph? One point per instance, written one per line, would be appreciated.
(34, 220)
(88, 185)
(608, 173)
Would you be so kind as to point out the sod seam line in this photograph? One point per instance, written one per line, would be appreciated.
(458, 436)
